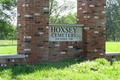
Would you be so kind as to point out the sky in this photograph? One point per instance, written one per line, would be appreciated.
(61, 2)
(74, 10)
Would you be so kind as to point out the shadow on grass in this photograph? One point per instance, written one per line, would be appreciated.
(8, 45)
(24, 69)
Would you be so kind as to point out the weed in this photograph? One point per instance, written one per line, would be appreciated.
(99, 69)
(102, 61)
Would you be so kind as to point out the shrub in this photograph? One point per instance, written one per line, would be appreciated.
(102, 61)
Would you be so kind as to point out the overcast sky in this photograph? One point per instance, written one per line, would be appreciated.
(74, 10)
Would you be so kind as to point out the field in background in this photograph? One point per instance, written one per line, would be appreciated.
(4, 50)
(8, 42)
(10, 47)
(113, 47)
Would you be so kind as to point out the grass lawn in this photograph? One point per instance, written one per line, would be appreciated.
(8, 42)
(12, 49)
(99, 69)
(113, 47)
(6, 47)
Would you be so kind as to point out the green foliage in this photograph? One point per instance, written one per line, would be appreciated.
(102, 61)
(12, 35)
(64, 60)
(6, 16)
(5, 7)
(99, 69)
(56, 9)
(68, 19)
(5, 28)
(71, 70)
(113, 20)
(79, 60)
(7, 31)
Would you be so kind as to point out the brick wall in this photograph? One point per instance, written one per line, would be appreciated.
(33, 27)
(33, 33)
(33, 22)
(92, 13)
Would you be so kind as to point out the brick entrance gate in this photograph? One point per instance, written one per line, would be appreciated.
(33, 33)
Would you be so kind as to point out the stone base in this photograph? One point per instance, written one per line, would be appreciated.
(6, 60)
(111, 56)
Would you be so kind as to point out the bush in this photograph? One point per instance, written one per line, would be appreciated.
(102, 61)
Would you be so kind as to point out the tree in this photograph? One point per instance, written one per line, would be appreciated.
(5, 29)
(68, 19)
(55, 9)
(6, 9)
(113, 20)
(6, 15)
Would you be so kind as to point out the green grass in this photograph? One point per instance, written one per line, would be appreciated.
(99, 69)
(6, 47)
(8, 42)
(4, 50)
(113, 47)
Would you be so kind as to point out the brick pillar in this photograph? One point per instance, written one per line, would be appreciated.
(33, 22)
(92, 13)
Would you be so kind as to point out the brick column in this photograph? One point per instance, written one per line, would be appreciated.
(33, 22)
(92, 13)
